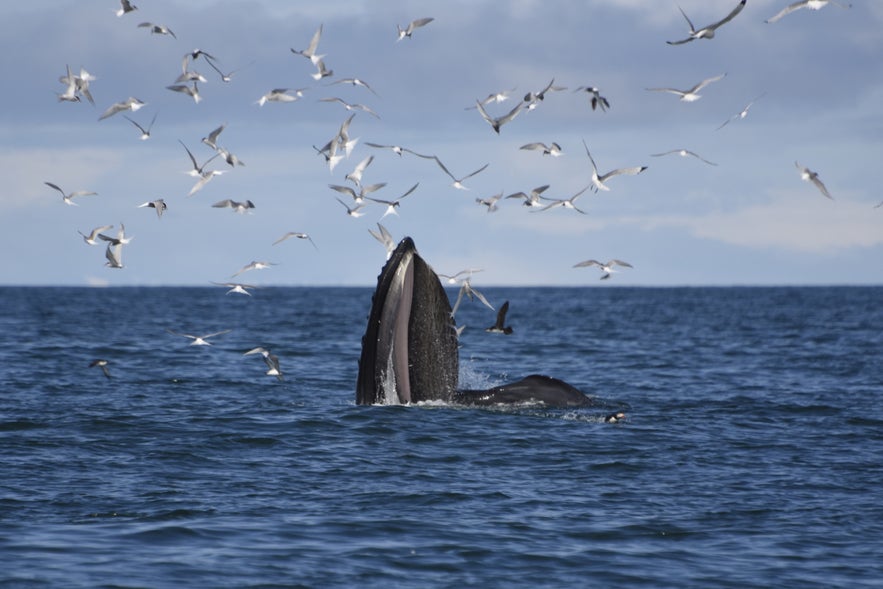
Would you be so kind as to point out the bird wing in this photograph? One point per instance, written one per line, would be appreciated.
(730, 16)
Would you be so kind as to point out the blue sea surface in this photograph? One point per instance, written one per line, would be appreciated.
(752, 454)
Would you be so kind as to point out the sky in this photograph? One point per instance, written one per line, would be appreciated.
(814, 80)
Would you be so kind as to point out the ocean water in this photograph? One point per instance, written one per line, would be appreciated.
(752, 454)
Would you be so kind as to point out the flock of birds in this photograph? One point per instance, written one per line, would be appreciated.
(354, 195)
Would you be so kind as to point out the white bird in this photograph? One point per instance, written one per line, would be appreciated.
(531, 199)
(458, 182)
(554, 149)
(466, 289)
(356, 175)
(130, 103)
(354, 82)
(197, 170)
(566, 203)
(120, 238)
(690, 95)
(156, 29)
(94, 234)
(355, 211)
(707, 32)
(490, 202)
(392, 205)
(297, 234)
(596, 100)
(67, 198)
(310, 51)
(412, 26)
(351, 106)
(534, 98)
(358, 197)
(741, 114)
(199, 340)
(125, 7)
(192, 91)
(70, 91)
(238, 207)
(683, 153)
(810, 4)
(230, 157)
(204, 179)
(211, 139)
(236, 287)
(270, 360)
(496, 97)
(158, 204)
(396, 149)
(598, 181)
(385, 238)
(321, 71)
(455, 278)
(498, 122)
(810, 176)
(606, 267)
(145, 133)
(255, 265)
(281, 95)
(114, 255)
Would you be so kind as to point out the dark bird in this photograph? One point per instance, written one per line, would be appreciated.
(499, 326)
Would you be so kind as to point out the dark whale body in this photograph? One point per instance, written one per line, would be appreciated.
(410, 350)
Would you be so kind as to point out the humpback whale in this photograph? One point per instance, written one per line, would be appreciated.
(410, 350)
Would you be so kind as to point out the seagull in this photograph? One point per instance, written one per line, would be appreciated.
(355, 211)
(554, 149)
(412, 26)
(211, 139)
(130, 103)
(101, 363)
(229, 75)
(68, 198)
(396, 149)
(356, 175)
(458, 182)
(596, 100)
(145, 133)
(94, 234)
(230, 157)
(385, 238)
(467, 290)
(70, 92)
(236, 287)
(125, 7)
(204, 179)
(238, 207)
(566, 203)
(454, 278)
(532, 199)
(158, 29)
(358, 197)
(741, 114)
(158, 204)
(281, 95)
(707, 32)
(270, 360)
(606, 268)
(253, 266)
(490, 202)
(499, 326)
(496, 97)
(810, 176)
(392, 205)
(811, 4)
(321, 71)
(350, 106)
(310, 51)
(298, 235)
(683, 153)
(199, 340)
(114, 254)
(534, 98)
(198, 170)
(498, 122)
(192, 91)
(691, 94)
(598, 181)
(354, 82)
(120, 239)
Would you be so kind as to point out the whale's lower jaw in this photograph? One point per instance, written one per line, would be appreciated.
(410, 350)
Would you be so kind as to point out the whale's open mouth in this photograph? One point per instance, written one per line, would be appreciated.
(409, 350)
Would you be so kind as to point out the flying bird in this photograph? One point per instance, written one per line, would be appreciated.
(606, 267)
(690, 95)
(310, 51)
(500, 325)
(298, 235)
(120, 238)
(156, 29)
(130, 103)
(392, 205)
(810, 4)
(466, 289)
(191, 91)
(199, 340)
(270, 360)
(281, 95)
(145, 133)
(490, 202)
(351, 106)
(741, 114)
(236, 287)
(412, 26)
(458, 182)
(534, 98)
(496, 97)
(683, 153)
(114, 255)
(566, 203)
(707, 32)
(598, 180)
(101, 363)
(67, 198)
(158, 204)
(498, 122)
(125, 7)
(355, 82)
(554, 149)
(596, 99)
(238, 207)
(94, 234)
(531, 199)
(253, 266)
(385, 238)
(810, 176)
